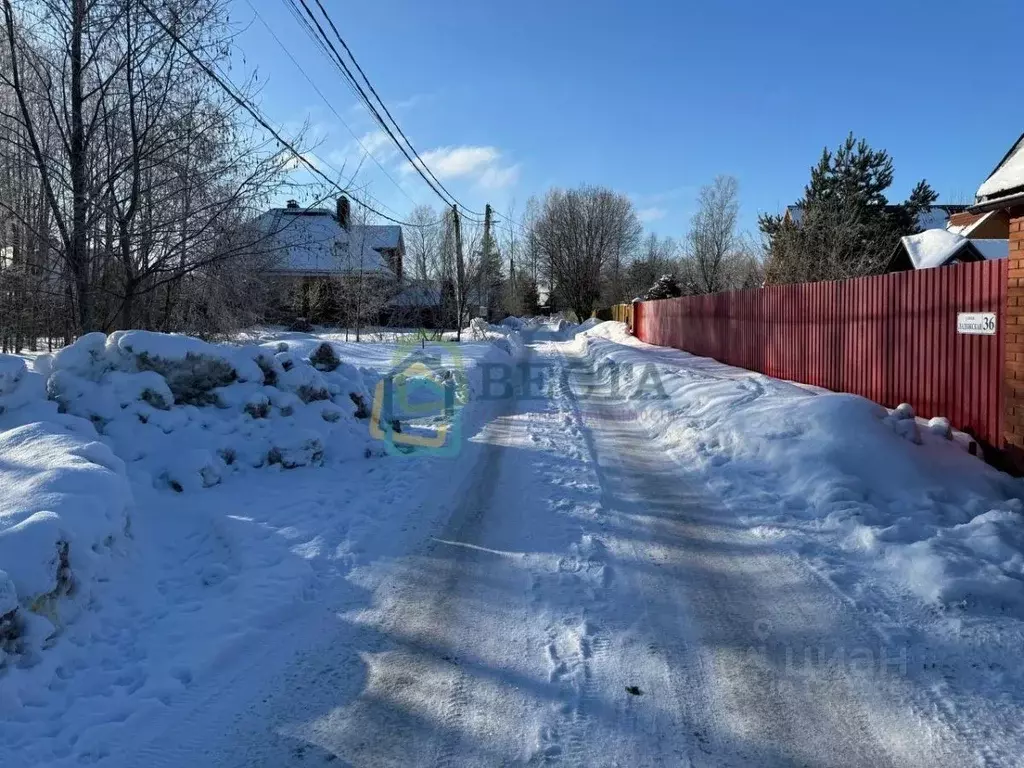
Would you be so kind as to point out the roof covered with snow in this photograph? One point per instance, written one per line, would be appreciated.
(936, 247)
(312, 242)
(1007, 178)
(932, 248)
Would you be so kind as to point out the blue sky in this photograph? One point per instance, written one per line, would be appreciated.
(654, 99)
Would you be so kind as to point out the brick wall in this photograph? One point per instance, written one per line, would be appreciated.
(1013, 391)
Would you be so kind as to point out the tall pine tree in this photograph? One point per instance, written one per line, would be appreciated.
(846, 227)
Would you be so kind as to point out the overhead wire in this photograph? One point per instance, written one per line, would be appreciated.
(316, 31)
(387, 112)
(259, 118)
(330, 106)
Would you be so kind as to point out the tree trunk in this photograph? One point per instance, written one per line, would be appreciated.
(77, 160)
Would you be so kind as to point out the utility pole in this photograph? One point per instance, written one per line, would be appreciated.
(460, 274)
(512, 267)
(484, 275)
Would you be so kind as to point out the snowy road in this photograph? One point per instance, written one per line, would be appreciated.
(581, 603)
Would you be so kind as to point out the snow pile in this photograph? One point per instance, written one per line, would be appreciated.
(857, 489)
(18, 387)
(506, 337)
(64, 501)
(188, 412)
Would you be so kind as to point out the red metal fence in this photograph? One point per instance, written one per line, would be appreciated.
(890, 338)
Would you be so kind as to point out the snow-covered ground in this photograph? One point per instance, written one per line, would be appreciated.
(640, 558)
(171, 508)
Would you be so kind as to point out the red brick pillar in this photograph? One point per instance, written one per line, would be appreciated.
(1013, 322)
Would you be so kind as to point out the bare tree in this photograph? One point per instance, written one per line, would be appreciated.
(712, 236)
(656, 257)
(580, 232)
(135, 174)
(828, 244)
(423, 242)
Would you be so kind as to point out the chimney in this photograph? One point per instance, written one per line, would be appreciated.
(292, 204)
(344, 212)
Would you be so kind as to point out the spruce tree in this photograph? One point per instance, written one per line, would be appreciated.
(665, 287)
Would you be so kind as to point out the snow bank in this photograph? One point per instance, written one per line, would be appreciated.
(506, 337)
(64, 500)
(188, 412)
(858, 490)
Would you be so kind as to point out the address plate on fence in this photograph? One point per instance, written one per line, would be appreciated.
(978, 323)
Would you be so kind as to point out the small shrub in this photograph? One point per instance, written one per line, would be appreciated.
(308, 394)
(362, 412)
(259, 409)
(192, 379)
(301, 325)
(269, 373)
(324, 358)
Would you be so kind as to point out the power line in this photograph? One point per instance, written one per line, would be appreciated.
(385, 107)
(320, 37)
(361, 94)
(330, 106)
(255, 114)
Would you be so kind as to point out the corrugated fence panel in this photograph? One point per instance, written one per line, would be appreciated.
(890, 338)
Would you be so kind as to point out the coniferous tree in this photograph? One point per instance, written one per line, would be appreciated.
(665, 287)
(846, 226)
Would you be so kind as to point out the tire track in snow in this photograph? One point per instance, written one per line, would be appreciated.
(855, 730)
(677, 672)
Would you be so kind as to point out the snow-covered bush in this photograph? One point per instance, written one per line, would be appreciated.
(324, 358)
(665, 287)
(64, 501)
(515, 323)
(188, 412)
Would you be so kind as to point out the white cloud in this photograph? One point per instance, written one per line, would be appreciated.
(651, 214)
(481, 165)
(457, 162)
(375, 141)
(496, 177)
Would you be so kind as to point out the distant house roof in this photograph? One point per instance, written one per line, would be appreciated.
(1007, 179)
(934, 217)
(418, 294)
(311, 242)
(939, 247)
(964, 223)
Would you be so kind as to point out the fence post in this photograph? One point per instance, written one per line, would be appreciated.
(1013, 345)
